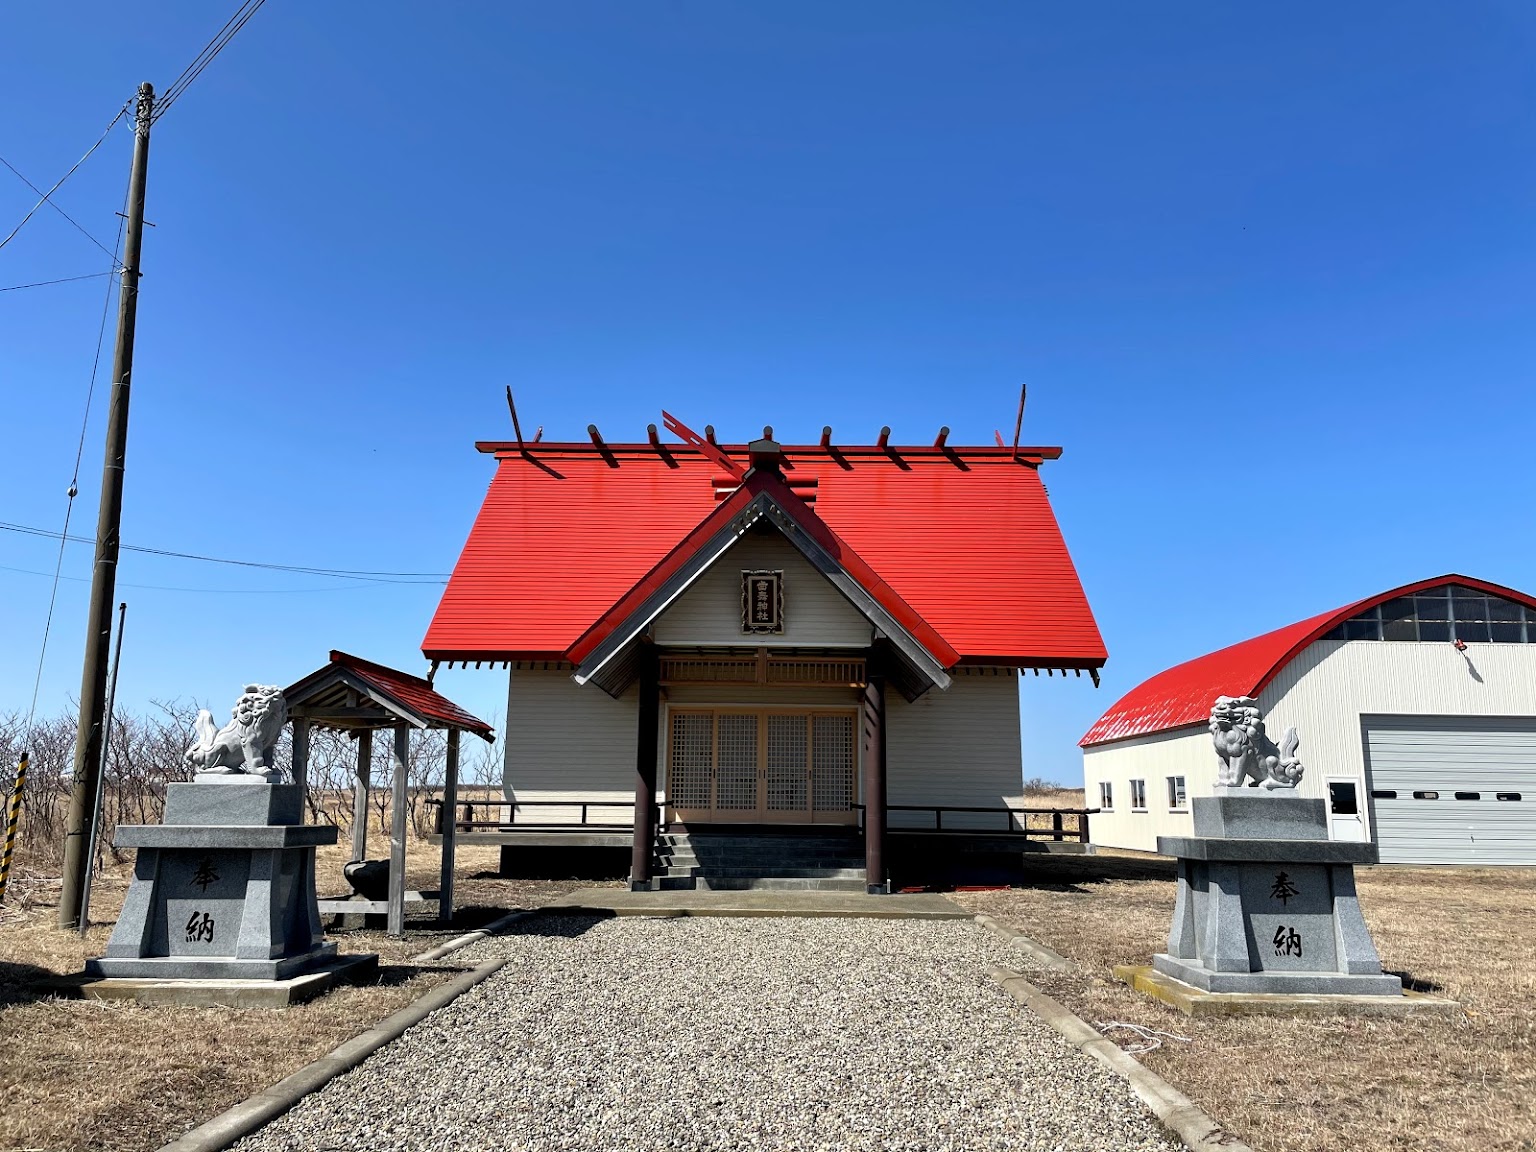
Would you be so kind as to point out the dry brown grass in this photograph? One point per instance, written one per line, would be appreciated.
(1334, 1085)
(91, 1075)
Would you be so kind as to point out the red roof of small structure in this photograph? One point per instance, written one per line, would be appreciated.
(1182, 695)
(414, 692)
(964, 537)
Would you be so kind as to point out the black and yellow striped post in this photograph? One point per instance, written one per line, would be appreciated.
(12, 816)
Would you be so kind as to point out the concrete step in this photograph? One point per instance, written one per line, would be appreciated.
(679, 873)
(673, 884)
(773, 851)
(765, 856)
(682, 859)
(829, 834)
(790, 872)
(778, 884)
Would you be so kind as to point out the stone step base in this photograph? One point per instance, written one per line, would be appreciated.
(741, 861)
(1193, 1001)
(778, 884)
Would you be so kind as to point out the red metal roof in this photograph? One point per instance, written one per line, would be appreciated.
(772, 484)
(414, 692)
(965, 537)
(1183, 695)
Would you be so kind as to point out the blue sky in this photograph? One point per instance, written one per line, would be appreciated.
(1267, 275)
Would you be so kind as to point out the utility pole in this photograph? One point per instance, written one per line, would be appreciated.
(98, 637)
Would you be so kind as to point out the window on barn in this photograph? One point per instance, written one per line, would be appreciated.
(1176, 794)
(1436, 615)
(1138, 795)
(1106, 796)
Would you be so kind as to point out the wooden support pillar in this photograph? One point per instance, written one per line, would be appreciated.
(450, 823)
(874, 785)
(301, 761)
(645, 769)
(360, 795)
(395, 923)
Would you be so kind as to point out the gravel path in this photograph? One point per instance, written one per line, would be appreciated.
(709, 1034)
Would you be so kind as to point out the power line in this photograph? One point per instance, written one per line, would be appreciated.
(45, 195)
(338, 573)
(65, 280)
(219, 591)
(74, 480)
(192, 71)
(101, 335)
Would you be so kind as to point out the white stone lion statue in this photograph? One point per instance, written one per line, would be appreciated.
(1248, 756)
(248, 743)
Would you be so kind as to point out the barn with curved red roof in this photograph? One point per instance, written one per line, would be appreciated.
(1422, 693)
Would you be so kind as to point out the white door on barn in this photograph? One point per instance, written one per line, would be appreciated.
(1452, 790)
(1345, 820)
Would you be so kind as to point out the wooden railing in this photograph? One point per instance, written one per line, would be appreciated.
(1014, 821)
(466, 821)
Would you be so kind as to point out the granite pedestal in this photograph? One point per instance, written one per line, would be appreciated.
(1266, 902)
(223, 890)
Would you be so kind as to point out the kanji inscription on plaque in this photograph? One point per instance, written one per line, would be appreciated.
(762, 602)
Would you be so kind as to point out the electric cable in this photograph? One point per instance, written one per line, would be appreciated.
(192, 71)
(121, 112)
(340, 573)
(65, 280)
(74, 479)
(231, 591)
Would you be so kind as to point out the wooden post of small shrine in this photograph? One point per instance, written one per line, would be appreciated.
(301, 759)
(360, 796)
(450, 822)
(395, 923)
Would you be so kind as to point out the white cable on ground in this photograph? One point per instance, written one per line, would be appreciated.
(1148, 1034)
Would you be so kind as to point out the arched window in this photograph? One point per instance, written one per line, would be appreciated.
(1449, 612)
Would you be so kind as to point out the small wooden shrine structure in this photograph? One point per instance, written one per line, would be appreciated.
(359, 697)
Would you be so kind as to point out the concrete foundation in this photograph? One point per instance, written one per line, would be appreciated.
(1193, 1001)
(225, 992)
(218, 894)
(1266, 903)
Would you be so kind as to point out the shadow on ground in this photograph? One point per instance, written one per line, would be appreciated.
(549, 922)
(1052, 871)
(22, 983)
(1412, 983)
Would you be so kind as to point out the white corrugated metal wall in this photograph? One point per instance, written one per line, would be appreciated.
(1326, 691)
(1452, 790)
(1183, 752)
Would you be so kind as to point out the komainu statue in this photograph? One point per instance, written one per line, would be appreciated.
(248, 743)
(1248, 756)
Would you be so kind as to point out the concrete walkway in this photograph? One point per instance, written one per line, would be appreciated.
(908, 906)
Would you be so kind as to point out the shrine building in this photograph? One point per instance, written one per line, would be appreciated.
(762, 664)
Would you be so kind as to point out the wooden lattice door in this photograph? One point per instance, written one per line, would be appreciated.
(762, 766)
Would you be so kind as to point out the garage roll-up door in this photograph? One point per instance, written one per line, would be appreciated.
(1452, 790)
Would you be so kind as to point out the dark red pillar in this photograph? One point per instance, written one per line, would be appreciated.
(874, 785)
(645, 770)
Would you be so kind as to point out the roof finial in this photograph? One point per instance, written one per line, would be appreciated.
(766, 455)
